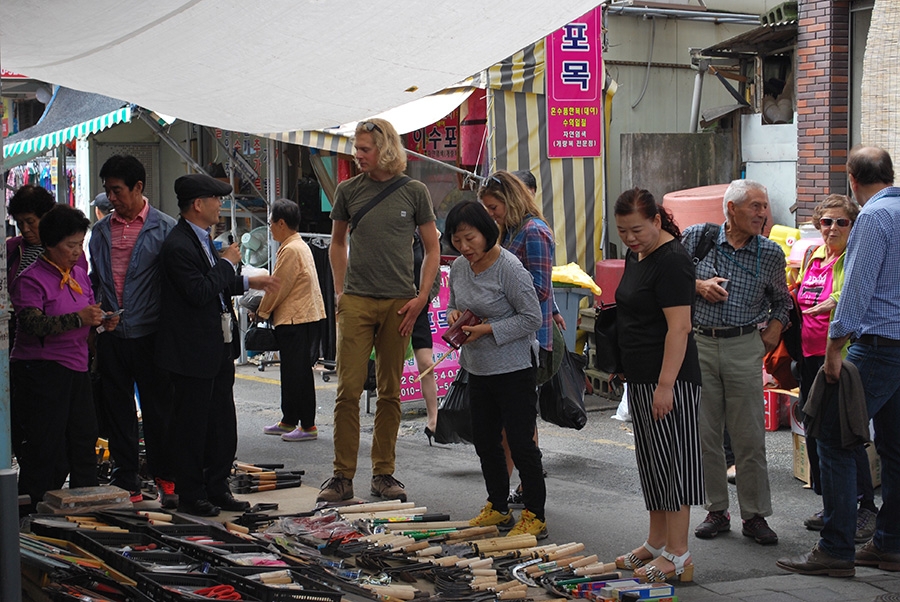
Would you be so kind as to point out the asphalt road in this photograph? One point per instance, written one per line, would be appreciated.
(593, 490)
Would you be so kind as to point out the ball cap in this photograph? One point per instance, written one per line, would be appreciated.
(101, 202)
(198, 185)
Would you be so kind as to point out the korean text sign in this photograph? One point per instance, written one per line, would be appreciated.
(575, 88)
(446, 371)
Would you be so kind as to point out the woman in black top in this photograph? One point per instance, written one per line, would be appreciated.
(659, 356)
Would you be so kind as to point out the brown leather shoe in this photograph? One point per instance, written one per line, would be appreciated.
(869, 555)
(818, 562)
(336, 489)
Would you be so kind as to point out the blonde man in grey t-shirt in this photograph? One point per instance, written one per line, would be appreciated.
(376, 299)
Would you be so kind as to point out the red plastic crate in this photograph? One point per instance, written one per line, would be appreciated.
(777, 408)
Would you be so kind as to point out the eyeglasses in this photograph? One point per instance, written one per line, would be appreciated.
(827, 222)
(372, 126)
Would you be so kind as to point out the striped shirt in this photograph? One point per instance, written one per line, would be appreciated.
(123, 235)
(30, 253)
(870, 298)
(533, 244)
(757, 288)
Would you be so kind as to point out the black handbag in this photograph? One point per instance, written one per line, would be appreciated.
(454, 423)
(260, 337)
(606, 340)
(562, 397)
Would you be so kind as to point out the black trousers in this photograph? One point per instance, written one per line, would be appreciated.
(122, 363)
(508, 401)
(298, 387)
(56, 413)
(203, 432)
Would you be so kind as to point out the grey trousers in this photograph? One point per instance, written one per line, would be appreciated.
(732, 397)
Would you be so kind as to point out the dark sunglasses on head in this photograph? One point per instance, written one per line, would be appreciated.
(827, 222)
(372, 126)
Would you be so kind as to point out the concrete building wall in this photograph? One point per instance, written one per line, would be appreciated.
(663, 163)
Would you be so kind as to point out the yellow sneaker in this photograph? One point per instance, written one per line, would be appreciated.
(489, 517)
(529, 525)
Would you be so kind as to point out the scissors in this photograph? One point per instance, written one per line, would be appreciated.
(219, 592)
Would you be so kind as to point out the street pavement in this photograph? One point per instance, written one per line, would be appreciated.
(593, 493)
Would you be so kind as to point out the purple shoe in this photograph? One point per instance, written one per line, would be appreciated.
(279, 428)
(301, 434)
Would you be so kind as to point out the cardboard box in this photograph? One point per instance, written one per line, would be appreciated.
(801, 459)
(874, 464)
(797, 418)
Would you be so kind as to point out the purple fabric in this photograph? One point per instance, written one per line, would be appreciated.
(38, 286)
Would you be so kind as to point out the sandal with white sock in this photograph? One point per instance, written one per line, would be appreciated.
(630, 561)
(684, 570)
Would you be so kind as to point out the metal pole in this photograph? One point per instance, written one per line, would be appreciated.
(695, 100)
(10, 563)
(468, 174)
(10, 568)
(62, 182)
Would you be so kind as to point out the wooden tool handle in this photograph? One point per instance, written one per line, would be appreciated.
(507, 585)
(430, 368)
(474, 533)
(374, 507)
(514, 593)
(592, 559)
(596, 569)
(402, 592)
(160, 516)
(505, 543)
(248, 467)
(566, 550)
(429, 551)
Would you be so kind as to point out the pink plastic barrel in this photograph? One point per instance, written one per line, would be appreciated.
(696, 205)
(607, 275)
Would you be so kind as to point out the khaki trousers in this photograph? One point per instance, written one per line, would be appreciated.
(364, 322)
(732, 398)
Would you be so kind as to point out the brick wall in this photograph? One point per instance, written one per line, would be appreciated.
(822, 101)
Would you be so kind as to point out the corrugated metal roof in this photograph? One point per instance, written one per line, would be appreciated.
(762, 40)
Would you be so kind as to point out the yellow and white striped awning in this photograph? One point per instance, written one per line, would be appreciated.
(570, 190)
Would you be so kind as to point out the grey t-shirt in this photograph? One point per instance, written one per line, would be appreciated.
(504, 296)
(381, 256)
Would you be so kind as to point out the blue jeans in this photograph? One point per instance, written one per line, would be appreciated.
(878, 368)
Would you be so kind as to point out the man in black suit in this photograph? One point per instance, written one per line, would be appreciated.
(197, 343)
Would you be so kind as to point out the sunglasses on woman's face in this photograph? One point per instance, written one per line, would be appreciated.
(827, 222)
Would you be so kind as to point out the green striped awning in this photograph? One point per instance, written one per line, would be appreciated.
(58, 137)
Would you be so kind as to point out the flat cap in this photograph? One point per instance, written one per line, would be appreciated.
(101, 202)
(198, 185)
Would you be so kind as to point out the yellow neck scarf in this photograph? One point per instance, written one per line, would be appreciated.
(66, 277)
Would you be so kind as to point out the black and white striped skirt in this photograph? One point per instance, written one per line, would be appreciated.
(668, 450)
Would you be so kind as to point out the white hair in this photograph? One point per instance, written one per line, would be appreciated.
(738, 192)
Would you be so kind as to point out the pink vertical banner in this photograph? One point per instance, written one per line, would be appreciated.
(446, 371)
(575, 88)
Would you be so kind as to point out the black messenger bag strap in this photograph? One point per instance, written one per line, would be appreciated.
(354, 221)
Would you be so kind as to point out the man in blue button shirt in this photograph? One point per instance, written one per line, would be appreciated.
(868, 311)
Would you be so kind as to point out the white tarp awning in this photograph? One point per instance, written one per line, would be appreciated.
(406, 118)
(274, 66)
